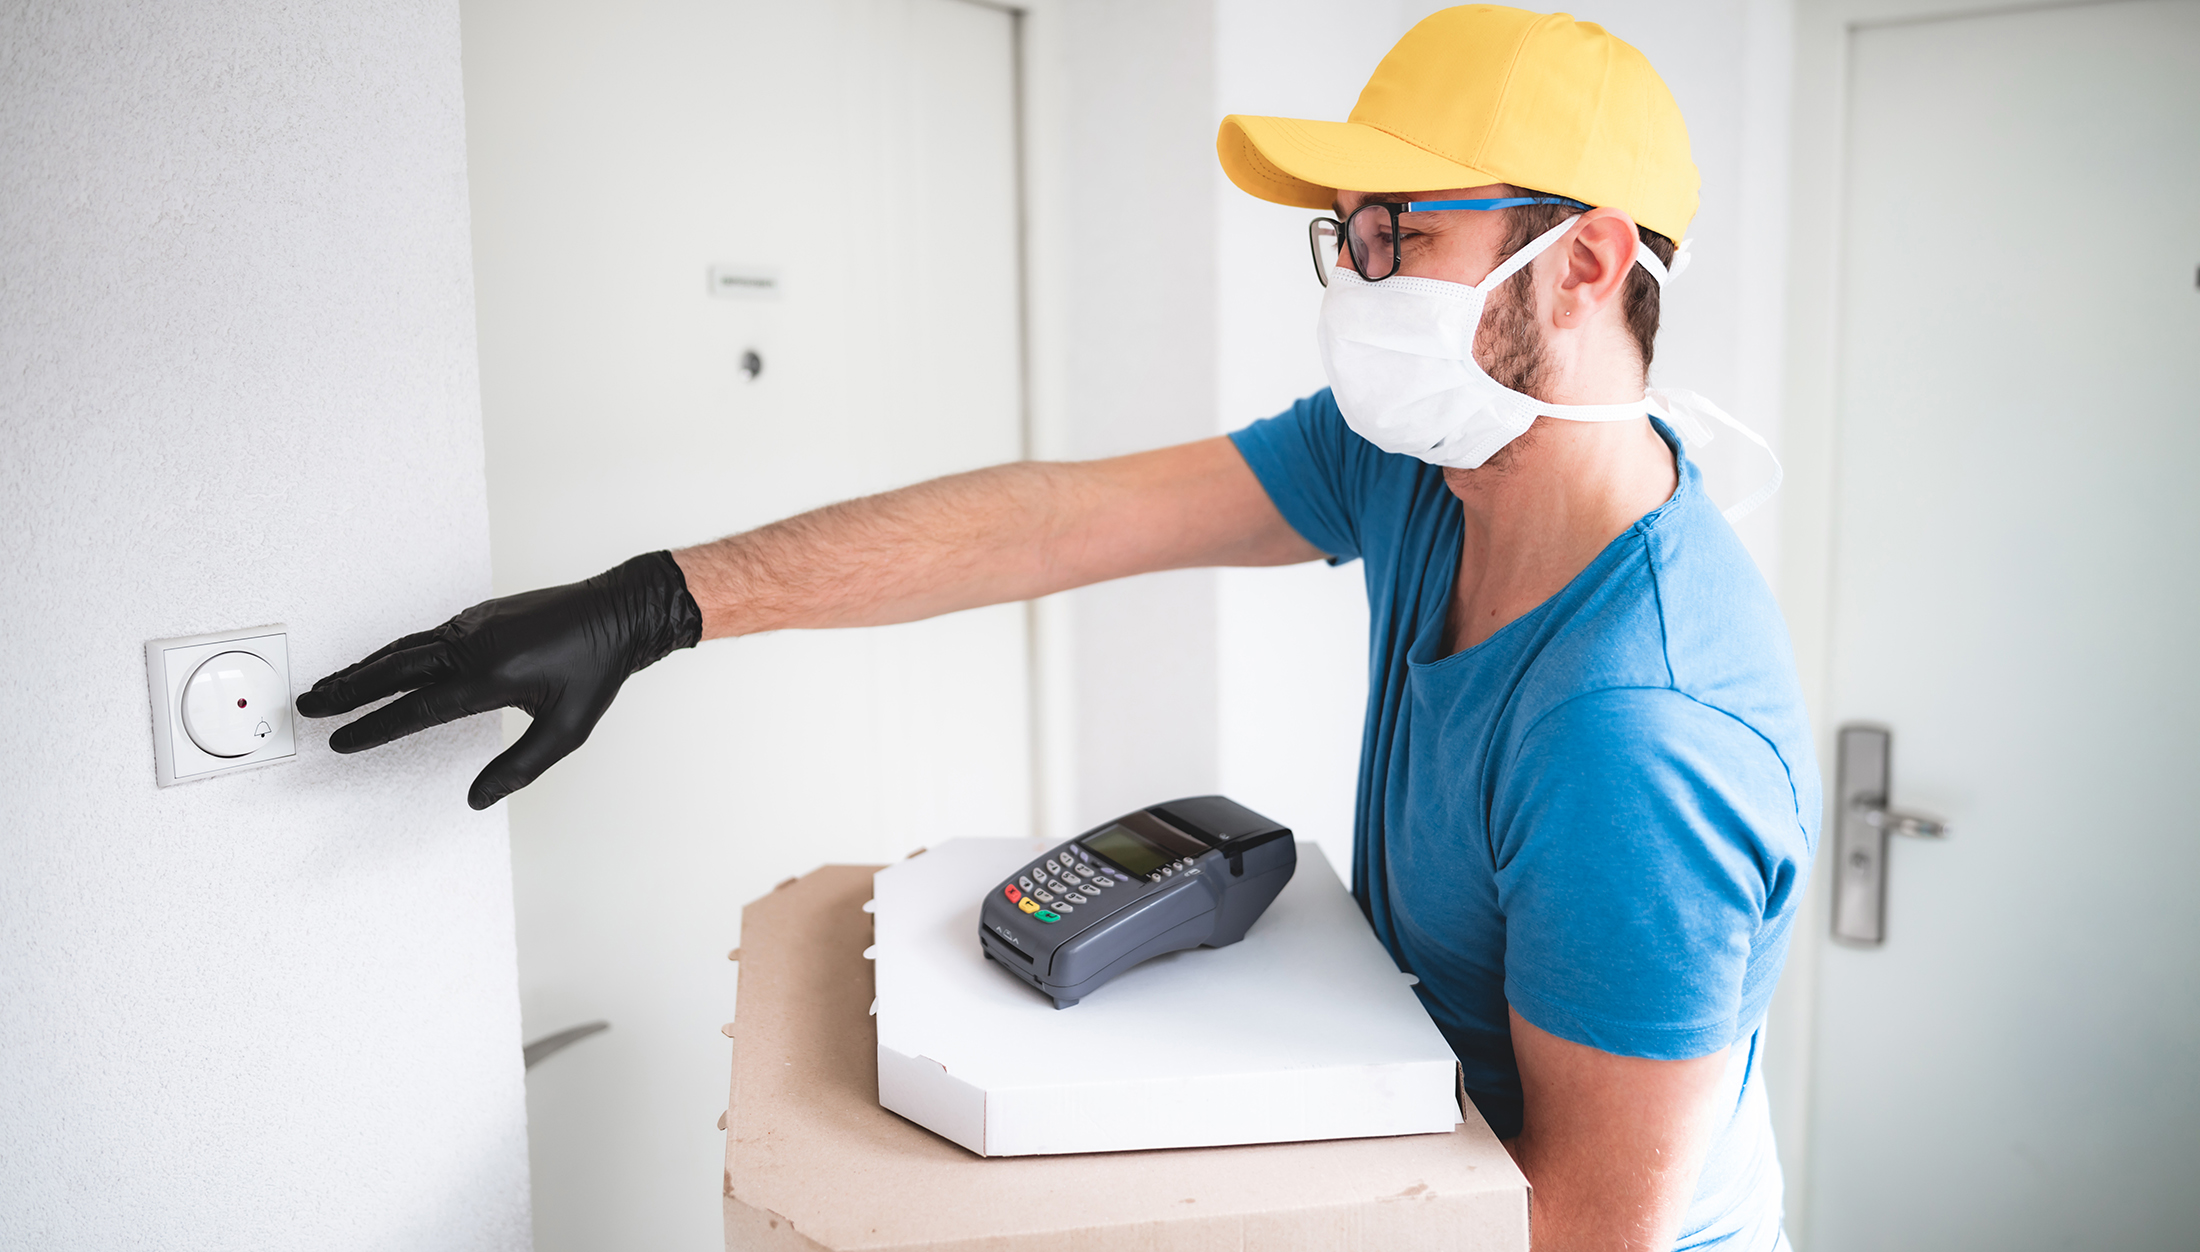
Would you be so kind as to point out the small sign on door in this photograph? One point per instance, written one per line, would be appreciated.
(743, 282)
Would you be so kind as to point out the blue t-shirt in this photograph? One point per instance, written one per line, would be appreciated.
(1602, 815)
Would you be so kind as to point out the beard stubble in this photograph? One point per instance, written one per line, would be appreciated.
(1509, 344)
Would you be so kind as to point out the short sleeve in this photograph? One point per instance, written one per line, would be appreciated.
(1641, 840)
(1311, 465)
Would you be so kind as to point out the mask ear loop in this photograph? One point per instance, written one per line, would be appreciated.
(1519, 260)
(1685, 409)
(1535, 247)
(1658, 270)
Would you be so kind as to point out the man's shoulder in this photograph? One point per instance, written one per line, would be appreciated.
(1677, 602)
(1679, 634)
(1726, 641)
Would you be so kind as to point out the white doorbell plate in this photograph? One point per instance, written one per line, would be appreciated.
(220, 702)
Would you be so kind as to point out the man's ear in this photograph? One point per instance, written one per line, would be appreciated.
(1598, 256)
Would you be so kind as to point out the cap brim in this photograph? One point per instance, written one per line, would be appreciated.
(1291, 161)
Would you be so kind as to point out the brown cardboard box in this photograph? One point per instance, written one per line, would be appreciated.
(813, 1162)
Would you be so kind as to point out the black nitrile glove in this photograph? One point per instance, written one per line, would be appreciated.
(559, 653)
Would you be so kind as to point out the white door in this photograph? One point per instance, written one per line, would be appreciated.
(2016, 596)
(861, 154)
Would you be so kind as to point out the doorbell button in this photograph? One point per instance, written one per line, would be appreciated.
(231, 704)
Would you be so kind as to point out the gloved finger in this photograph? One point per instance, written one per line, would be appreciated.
(429, 706)
(413, 640)
(543, 745)
(372, 680)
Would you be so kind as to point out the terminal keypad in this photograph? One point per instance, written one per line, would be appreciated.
(1056, 886)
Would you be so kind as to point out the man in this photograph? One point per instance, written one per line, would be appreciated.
(1587, 798)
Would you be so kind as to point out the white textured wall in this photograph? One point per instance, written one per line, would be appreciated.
(276, 1009)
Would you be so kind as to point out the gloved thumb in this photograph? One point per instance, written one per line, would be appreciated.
(543, 745)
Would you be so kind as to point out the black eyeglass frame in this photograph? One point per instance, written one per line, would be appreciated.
(1394, 208)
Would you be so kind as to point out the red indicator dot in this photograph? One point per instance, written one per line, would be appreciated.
(240, 704)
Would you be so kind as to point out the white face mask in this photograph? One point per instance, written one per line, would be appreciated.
(1400, 360)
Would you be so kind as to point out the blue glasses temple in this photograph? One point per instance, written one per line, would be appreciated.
(1428, 206)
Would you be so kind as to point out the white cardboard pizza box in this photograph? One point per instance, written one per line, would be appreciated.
(814, 1164)
(1304, 1030)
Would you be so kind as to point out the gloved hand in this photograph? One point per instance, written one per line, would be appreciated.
(560, 653)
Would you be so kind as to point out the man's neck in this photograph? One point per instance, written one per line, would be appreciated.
(1542, 509)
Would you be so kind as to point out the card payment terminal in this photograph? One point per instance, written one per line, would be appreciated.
(1189, 873)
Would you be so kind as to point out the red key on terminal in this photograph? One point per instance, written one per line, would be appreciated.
(1012, 893)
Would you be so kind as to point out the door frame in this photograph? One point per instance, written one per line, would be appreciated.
(1818, 171)
(1042, 108)
(1036, 38)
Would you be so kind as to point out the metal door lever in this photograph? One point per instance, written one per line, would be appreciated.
(1860, 844)
(534, 1053)
(1916, 825)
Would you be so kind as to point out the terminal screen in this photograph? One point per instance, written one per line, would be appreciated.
(1128, 849)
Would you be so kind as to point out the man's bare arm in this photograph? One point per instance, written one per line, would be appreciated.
(1008, 533)
(1611, 1144)
(1011, 532)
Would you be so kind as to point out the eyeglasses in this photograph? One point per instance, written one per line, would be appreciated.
(1370, 232)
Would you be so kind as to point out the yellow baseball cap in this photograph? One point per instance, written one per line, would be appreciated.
(1487, 94)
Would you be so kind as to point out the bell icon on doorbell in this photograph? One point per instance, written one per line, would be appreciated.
(221, 702)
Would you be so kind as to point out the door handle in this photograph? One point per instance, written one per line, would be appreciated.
(1916, 825)
(534, 1053)
(1865, 820)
